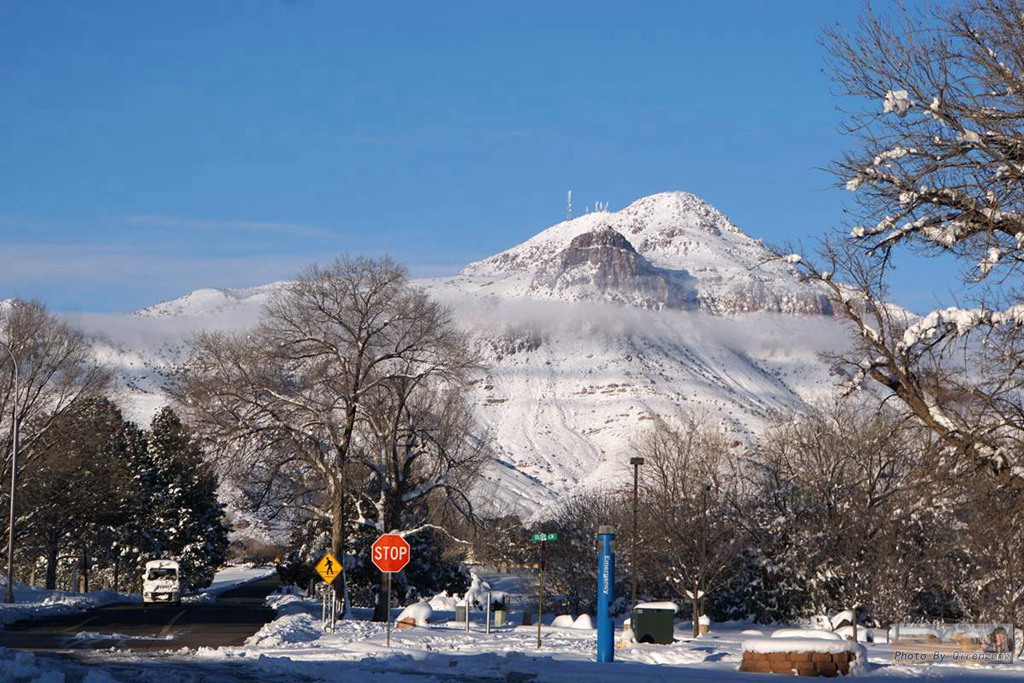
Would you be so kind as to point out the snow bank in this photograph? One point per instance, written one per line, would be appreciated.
(287, 604)
(583, 622)
(478, 592)
(290, 630)
(442, 602)
(419, 612)
(844, 618)
(864, 634)
(807, 633)
(796, 644)
(36, 604)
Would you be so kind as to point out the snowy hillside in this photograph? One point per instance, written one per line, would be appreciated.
(589, 329)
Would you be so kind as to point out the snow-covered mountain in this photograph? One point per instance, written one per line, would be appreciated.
(589, 329)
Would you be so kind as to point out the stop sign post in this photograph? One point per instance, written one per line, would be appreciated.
(390, 553)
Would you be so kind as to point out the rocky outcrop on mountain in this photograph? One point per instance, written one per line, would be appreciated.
(603, 261)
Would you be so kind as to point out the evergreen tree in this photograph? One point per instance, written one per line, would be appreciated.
(186, 514)
(78, 495)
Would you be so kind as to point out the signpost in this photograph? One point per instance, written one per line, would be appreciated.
(390, 553)
(543, 540)
(329, 569)
(605, 594)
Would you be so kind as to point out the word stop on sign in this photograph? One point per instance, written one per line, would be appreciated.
(390, 553)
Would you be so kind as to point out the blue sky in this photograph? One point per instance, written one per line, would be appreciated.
(151, 149)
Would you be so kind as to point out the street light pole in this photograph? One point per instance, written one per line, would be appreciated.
(635, 462)
(9, 595)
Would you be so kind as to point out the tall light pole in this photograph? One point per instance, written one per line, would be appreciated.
(635, 462)
(16, 428)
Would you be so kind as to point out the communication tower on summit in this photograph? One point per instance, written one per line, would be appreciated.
(568, 207)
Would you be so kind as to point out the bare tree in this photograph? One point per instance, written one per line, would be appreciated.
(687, 485)
(46, 368)
(570, 573)
(853, 506)
(937, 168)
(422, 452)
(325, 386)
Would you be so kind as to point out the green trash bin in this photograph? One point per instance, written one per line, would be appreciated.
(654, 623)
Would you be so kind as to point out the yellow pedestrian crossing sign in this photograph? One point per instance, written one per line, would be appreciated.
(328, 567)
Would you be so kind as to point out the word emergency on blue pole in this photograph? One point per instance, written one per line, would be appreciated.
(605, 594)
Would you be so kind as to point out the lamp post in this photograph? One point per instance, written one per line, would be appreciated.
(16, 428)
(635, 462)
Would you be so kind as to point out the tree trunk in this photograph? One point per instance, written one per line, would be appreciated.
(83, 569)
(338, 550)
(696, 610)
(381, 608)
(51, 562)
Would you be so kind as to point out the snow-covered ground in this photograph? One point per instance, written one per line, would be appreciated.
(35, 603)
(294, 648)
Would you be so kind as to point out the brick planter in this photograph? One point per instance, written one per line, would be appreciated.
(796, 662)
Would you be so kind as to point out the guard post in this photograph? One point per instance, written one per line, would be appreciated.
(605, 593)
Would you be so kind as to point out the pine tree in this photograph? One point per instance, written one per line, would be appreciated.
(186, 512)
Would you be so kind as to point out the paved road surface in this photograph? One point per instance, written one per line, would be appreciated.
(236, 615)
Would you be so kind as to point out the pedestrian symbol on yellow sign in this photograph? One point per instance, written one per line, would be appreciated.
(328, 567)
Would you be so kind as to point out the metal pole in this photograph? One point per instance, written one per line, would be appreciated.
(635, 462)
(487, 618)
(540, 605)
(540, 592)
(9, 595)
(389, 608)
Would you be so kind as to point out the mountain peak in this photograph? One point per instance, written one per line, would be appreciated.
(692, 250)
(667, 211)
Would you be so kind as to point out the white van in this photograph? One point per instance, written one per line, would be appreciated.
(160, 582)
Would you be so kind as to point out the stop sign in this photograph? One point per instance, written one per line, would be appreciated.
(390, 553)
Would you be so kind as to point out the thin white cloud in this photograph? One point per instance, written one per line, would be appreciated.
(141, 277)
(234, 226)
(95, 277)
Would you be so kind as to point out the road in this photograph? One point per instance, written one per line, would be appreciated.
(235, 616)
